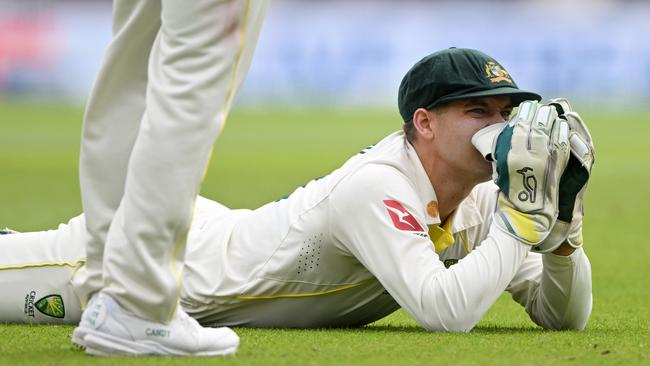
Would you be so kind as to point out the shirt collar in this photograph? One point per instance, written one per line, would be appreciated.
(465, 216)
(423, 186)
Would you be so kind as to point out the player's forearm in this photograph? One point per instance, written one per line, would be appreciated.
(564, 297)
(456, 299)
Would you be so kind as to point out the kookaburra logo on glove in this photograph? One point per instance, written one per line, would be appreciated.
(529, 183)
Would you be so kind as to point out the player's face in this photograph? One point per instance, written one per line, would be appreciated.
(457, 122)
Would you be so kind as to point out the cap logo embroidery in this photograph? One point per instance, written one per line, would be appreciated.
(496, 73)
(402, 219)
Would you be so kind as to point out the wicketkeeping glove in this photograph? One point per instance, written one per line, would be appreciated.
(573, 182)
(531, 153)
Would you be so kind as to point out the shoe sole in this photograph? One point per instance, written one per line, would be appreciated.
(78, 342)
(102, 344)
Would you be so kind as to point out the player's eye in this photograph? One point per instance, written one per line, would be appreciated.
(506, 114)
(477, 110)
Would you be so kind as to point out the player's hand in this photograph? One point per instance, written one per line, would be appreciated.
(573, 183)
(531, 153)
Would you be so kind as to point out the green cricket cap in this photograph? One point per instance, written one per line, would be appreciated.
(453, 74)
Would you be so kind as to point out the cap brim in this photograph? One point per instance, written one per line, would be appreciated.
(517, 95)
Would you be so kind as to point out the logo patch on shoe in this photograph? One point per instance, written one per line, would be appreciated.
(51, 305)
(97, 314)
(152, 332)
(402, 219)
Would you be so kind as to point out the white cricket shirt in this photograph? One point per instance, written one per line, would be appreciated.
(354, 246)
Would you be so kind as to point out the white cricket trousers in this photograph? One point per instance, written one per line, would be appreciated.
(160, 100)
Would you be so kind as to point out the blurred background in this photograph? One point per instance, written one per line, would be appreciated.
(354, 52)
(322, 85)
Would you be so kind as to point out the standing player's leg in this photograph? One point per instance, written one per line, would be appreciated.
(197, 63)
(37, 273)
(111, 123)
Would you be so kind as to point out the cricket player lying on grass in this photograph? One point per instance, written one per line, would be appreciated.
(413, 221)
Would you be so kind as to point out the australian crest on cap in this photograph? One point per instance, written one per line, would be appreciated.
(496, 73)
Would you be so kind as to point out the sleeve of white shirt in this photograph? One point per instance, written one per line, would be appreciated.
(555, 290)
(405, 262)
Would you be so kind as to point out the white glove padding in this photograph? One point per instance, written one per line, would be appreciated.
(531, 153)
(573, 183)
(485, 139)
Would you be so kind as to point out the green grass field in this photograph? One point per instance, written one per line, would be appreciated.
(265, 154)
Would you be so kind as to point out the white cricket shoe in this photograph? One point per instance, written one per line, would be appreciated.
(107, 329)
(79, 333)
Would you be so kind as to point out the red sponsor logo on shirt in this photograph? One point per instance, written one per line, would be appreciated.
(402, 219)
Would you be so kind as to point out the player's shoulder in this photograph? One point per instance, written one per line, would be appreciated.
(376, 176)
(388, 158)
(375, 181)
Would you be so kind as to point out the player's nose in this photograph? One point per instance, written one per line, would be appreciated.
(496, 118)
